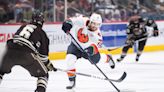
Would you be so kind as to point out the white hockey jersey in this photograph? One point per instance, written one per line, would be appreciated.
(81, 33)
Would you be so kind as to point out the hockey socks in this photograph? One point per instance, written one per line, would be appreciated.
(42, 84)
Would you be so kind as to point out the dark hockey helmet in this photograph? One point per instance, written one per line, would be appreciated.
(38, 17)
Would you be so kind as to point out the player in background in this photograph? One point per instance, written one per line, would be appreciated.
(137, 30)
(29, 48)
(87, 33)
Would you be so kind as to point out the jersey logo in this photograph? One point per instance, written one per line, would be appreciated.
(82, 37)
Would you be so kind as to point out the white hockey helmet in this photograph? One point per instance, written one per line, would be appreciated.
(96, 18)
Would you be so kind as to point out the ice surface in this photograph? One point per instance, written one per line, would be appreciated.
(147, 75)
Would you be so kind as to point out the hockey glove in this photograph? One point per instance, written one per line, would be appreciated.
(155, 33)
(67, 25)
(50, 66)
(92, 50)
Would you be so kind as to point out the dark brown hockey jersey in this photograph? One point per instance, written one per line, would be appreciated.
(137, 26)
(30, 37)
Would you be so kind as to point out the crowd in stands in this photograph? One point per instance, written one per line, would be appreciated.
(18, 11)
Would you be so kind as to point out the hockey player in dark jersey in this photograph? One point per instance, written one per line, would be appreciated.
(29, 48)
(136, 31)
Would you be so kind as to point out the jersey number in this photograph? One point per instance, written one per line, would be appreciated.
(82, 37)
(27, 30)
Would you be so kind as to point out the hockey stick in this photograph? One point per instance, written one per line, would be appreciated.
(111, 49)
(92, 61)
(128, 44)
(93, 76)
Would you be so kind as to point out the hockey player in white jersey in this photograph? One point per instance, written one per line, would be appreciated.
(87, 33)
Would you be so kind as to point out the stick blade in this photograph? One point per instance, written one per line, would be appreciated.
(123, 76)
(120, 79)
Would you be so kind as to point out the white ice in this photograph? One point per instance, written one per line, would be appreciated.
(147, 75)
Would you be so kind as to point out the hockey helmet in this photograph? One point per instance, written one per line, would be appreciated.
(96, 18)
(38, 17)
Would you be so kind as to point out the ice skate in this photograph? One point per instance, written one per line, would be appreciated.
(1, 77)
(71, 85)
(119, 59)
(137, 59)
(40, 89)
(138, 55)
(111, 62)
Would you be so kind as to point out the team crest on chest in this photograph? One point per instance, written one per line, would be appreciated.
(81, 36)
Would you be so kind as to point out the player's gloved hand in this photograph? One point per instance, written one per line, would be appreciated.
(130, 42)
(50, 66)
(66, 26)
(155, 33)
(91, 50)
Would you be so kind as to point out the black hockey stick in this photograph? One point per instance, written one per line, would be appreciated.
(92, 61)
(93, 76)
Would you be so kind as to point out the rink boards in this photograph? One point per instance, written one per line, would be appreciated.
(114, 35)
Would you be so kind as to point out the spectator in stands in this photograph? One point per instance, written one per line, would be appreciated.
(123, 14)
(6, 13)
(72, 9)
(108, 17)
(18, 12)
(59, 10)
(116, 16)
